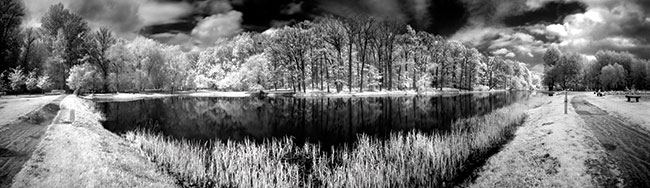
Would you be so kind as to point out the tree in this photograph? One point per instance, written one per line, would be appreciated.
(44, 83)
(639, 73)
(117, 55)
(612, 76)
(96, 48)
(386, 38)
(291, 49)
(4, 86)
(84, 78)
(333, 31)
(31, 82)
(351, 30)
(568, 69)
(73, 27)
(55, 66)
(11, 16)
(365, 37)
(176, 68)
(17, 78)
(551, 58)
(256, 72)
(28, 45)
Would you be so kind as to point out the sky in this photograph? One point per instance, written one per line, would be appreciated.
(515, 29)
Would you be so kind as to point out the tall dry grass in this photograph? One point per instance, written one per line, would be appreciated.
(410, 159)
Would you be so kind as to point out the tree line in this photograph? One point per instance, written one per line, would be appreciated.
(610, 70)
(330, 54)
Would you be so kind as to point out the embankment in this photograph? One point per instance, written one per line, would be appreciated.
(76, 151)
(19, 138)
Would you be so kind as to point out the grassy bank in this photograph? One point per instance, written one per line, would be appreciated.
(409, 159)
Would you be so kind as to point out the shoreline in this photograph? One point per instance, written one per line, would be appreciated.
(125, 97)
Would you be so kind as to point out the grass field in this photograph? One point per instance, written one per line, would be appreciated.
(407, 159)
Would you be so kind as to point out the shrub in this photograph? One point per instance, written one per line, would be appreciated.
(44, 83)
(17, 78)
(31, 82)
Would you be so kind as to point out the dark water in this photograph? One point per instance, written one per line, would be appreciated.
(329, 121)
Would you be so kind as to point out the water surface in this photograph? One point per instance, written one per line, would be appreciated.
(328, 121)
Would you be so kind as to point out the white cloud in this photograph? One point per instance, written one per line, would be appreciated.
(501, 51)
(557, 30)
(158, 13)
(210, 29)
(475, 35)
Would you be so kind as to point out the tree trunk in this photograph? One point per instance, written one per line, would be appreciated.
(350, 65)
(389, 67)
(442, 76)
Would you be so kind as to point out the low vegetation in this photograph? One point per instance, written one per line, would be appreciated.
(406, 159)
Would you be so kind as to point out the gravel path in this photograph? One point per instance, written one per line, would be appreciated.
(627, 142)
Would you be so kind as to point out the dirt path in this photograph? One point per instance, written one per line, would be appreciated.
(13, 107)
(19, 138)
(627, 142)
(551, 149)
(76, 151)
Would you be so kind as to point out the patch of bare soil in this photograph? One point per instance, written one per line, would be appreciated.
(19, 139)
(627, 143)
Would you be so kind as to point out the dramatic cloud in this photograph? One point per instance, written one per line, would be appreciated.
(119, 15)
(159, 13)
(123, 16)
(525, 28)
(613, 26)
(218, 26)
(528, 27)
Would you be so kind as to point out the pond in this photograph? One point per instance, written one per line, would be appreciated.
(328, 121)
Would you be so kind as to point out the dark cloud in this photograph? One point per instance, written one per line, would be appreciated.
(550, 13)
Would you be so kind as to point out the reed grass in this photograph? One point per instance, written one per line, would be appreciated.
(405, 159)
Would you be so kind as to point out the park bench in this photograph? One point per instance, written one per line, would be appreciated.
(629, 97)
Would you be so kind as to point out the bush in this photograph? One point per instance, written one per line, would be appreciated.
(17, 78)
(31, 82)
(44, 83)
(84, 78)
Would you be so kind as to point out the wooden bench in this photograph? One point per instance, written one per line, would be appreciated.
(629, 97)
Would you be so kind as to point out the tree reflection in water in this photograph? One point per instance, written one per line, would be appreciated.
(329, 121)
